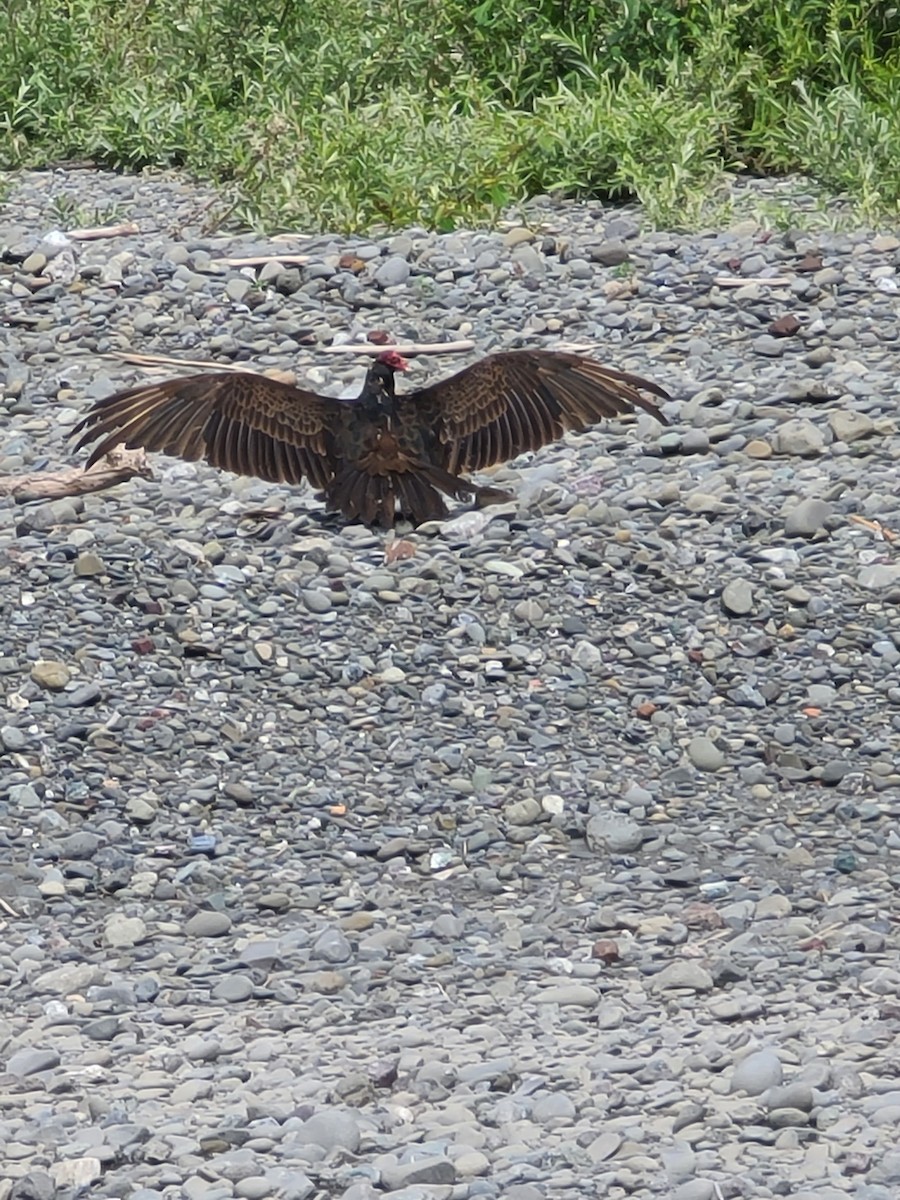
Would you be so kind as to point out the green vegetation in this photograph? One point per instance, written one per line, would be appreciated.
(345, 113)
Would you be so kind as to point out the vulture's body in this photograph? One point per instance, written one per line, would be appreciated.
(382, 451)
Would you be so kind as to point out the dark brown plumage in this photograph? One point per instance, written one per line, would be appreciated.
(381, 450)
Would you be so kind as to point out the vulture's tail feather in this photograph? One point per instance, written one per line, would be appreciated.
(373, 498)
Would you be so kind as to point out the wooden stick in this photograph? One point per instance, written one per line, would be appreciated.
(102, 231)
(736, 281)
(163, 360)
(402, 348)
(118, 466)
(260, 260)
(874, 527)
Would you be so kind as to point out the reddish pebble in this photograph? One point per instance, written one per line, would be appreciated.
(606, 950)
(785, 326)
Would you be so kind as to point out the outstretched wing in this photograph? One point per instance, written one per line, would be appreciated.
(520, 400)
(240, 422)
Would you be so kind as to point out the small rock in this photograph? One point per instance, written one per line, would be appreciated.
(331, 1129)
(50, 674)
(140, 810)
(788, 1118)
(392, 675)
(233, 989)
(613, 833)
(208, 924)
(848, 425)
(578, 995)
(32, 1060)
(683, 974)
(694, 1189)
(421, 1172)
(316, 600)
(523, 812)
(517, 236)
(737, 597)
(332, 946)
(122, 931)
(785, 326)
(76, 1173)
(89, 564)
(807, 518)
(768, 346)
(553, 1107)
(791, 1095)
(393, 272)
(876, 576)
(705, 754)
(12, 738)
(758, 1071)
(798, 437)
(609, 254)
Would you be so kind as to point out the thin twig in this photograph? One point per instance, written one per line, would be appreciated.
(736, 281)
(262, 260)
(163, 360)
(874, 527)
(403, 348)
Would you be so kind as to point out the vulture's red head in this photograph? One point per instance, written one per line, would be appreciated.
(390, 358)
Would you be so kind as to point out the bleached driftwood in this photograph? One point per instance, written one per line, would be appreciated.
(118, 466)
(262, 260)
(402, 348)
(164, 360)
(102, 231)
(737, 281)
(875, 527)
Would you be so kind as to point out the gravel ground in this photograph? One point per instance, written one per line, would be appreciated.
(556, 859)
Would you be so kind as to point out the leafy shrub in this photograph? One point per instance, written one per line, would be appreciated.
(341, 113)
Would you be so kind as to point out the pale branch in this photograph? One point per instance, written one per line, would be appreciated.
(163, 360)
(735, 281)
(262, 260)
(118, 466)
(403, 348)
(875, 527)
(102, 231)
(368, 348)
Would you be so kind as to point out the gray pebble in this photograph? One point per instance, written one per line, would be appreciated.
(756, 1072)
(737, 597)
(806, 518)
(705, 754)
(208, 924)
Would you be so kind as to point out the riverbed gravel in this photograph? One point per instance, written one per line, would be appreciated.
(551, 850)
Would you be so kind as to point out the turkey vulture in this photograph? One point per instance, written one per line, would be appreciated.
(380, 450)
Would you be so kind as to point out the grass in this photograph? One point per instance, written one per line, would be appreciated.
(347, 113)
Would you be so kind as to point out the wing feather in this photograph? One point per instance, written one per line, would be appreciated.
(241, 422)
(508, 403)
